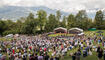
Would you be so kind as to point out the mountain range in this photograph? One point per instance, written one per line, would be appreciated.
(16, 12)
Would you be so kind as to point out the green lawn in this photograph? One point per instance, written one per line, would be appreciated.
(92, 57)
(59, 34)
(89, 33)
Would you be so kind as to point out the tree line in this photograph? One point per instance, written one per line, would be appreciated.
(43, 23)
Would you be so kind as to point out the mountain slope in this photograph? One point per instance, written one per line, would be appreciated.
(15, 12)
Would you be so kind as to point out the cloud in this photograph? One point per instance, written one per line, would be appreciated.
(1, 3)
(64, 5)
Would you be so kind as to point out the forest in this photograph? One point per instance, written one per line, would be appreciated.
(43, 23)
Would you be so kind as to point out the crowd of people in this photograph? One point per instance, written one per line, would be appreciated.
(42, 47)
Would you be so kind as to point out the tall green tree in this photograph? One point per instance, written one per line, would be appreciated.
(86, 24)
(71, 21)
(99, 19)
(81, 18)
(29, 25)
(18, 27)
(63, 23)
(42, 17)
(51, 23)
(11, 27)
(58, 17)
(81, 15)
(2, 27)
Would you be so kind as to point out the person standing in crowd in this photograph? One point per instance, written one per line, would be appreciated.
(36, 57)
(32, 57)
(12, 57)
(19, 58)
(57, 58)
(100, 54)
(74, 56)
(98, 49)
(51, 58)
(46, 57)
(78, 54)
(84, 53)
(24, 58)
(0, 55)
(40, 57)
(104, 53)
(104, 44)
(16, 57)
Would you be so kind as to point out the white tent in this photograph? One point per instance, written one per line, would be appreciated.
(60, 30)
(16, 35)
(9, 36)
(81, 34)
(75, 30)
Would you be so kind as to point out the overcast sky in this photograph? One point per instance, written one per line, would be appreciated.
(64, 5)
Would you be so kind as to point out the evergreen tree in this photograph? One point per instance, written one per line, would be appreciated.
(42, 17)
(99, 19)
(71, 21)
(51, 23)
(64, 22)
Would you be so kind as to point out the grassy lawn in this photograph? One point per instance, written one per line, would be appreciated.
(92, 57)
(88, 33)
(91, 32)
(59, 34)
(5, 39)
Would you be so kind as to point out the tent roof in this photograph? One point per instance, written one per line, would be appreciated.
(99, 32)
(76, 29)
(60, 28)
(81, 34)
